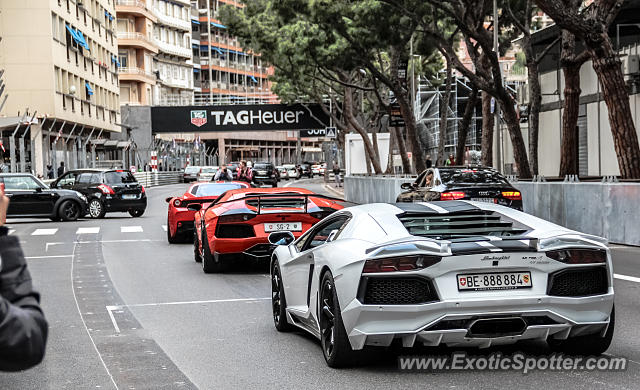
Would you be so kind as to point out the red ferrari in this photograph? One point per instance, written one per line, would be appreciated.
(240, 221)
(180, 218)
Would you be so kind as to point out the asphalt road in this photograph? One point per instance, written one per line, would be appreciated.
(129, 311)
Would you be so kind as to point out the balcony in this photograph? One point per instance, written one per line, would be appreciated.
(136, 39)
(136, 74)
(172, 21)
(173, 49)
(135, 7)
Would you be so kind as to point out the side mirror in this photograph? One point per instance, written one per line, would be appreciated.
(194, 207)
(406, 186)
(281, 238)
(168, 199)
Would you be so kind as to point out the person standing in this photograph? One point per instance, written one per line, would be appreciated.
(50, 172)
(61, 169)
(244, 172)
(467, 156)
(223, 174)
(336, 173)
(23, 327)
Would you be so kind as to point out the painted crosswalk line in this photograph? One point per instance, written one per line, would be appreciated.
(44, 232)
(131, 229)
(88, 230)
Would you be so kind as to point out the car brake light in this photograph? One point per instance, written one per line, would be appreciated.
(578, 256)
(512, 195)
(142, 189)
(453, 195)
(235, 218)
(177, 202)
(106, 189)
(394, 264)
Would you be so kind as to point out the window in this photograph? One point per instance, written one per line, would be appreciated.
(20, 183)
(119, 177)
(54, 25)
(84, 178)
(123, 59)
(320, 234)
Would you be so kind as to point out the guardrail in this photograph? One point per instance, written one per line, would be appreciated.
(609, 210)
(153, 179)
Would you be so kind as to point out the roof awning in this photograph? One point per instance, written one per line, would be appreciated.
(218, 25)
(77, 36)
(89, 89)
(196, 70)
(100, 141)
(194, 21)
(194, 45)
(218, 50)
(111, 143)
(253, 79)
(123, 144)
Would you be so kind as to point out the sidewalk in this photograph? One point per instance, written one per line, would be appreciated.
(339, 191)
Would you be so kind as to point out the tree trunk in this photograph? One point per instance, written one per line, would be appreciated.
(487, 131)
(515, 134)
(569, 140)
(402, 148)
(614, 91)
(444, 116)
(535, 103)
(392, 143)
(463, 129)
(368, 147)
(412, 133)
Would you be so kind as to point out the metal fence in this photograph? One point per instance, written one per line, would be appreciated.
(153, 179)
(609, 210)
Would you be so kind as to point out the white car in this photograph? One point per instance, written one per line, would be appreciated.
(284, 173)
(315, 168)
(207, 173)
(454, 273)
(291, 171)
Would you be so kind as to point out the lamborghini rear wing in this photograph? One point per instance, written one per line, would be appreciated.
(261, 202)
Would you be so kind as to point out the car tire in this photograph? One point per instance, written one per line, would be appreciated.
(334, 341)
(69, 210)
(196, 247)
(138, 213)
(589, 345)
(274, 184)
(96, 209)
(278, 300)
(210, 263)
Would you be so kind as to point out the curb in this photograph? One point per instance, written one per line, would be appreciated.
(331, 189)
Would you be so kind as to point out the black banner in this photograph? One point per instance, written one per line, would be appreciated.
(241, 117)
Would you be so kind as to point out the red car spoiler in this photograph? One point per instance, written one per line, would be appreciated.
(281, 196)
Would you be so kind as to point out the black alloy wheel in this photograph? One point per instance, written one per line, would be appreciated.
(333, 336)
(278, 300)
(69, 210)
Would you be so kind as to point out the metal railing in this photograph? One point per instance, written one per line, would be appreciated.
(135, 35)
(172, 21)
(134, 70)
(132, 3)
(173, 49)
(154, 179)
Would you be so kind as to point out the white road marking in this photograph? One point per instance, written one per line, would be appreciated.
(164, 227)
(11, 231)
(47, 257)
(627, 278)
(131, 229)
(88, 230)
(110, 310)
(44, 232)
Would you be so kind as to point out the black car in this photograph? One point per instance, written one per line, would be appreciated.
(32, 198)
(265, 173)
(306, 170)
(106, 190)
(479, 184)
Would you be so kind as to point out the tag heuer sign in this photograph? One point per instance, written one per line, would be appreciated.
(238, 117)
(199, 117)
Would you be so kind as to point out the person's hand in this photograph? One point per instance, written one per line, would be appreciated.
(4, 205)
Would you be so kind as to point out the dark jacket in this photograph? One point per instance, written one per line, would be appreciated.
(23, 328)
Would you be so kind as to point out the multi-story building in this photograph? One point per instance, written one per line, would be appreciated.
(59, 61)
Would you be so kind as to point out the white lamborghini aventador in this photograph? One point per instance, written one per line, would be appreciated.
(456, 273)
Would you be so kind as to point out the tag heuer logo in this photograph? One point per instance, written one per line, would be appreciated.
(199, 117)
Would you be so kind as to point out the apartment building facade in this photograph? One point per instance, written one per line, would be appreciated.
(59, 61)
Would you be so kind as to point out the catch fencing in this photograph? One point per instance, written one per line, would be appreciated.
(609, 210)
(153, 179)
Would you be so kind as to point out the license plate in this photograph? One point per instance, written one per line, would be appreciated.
(129, 196)
(283, 226)
(485, 200)
(494, 281)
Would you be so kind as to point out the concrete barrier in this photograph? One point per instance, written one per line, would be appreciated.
(610, 210)
(153, 179)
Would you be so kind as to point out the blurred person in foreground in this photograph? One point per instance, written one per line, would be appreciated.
(23, 328)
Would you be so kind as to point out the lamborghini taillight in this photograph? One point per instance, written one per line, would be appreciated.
(177, 202)
(403, 263)
(231, 218)
(578, 256)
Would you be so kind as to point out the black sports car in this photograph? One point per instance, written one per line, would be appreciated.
(32, 198)
(479, 184)
(111, 190)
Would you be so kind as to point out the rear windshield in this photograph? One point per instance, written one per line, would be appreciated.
(462, 224)
(471, 176)
(208, 170)
(191, 169)
(119, 177)
(213, 189)
(262, 166)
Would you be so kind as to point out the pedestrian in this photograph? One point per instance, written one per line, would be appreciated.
(223, 174)
(467, 156)
(244, 172)
(23, 328)
(336, 173)
(429, 162)
(61, 169)
(450, 161)
(50, 173)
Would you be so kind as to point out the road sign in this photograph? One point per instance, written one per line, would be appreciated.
(330, 132)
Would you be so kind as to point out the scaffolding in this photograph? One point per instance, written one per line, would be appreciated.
(427, 111)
